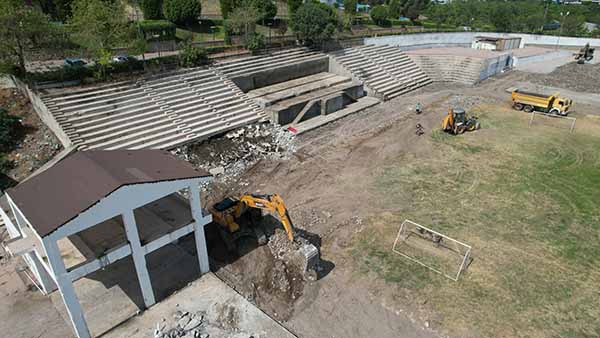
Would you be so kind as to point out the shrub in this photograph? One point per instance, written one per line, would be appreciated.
(293, 5)
(181, 11)
(152, 9)
(9, 130)
(256, 43)
(192, 56)
(350, 7)
(379, 15)
(157, 29)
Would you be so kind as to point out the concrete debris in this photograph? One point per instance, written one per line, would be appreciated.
(195, 325)
(227, 157)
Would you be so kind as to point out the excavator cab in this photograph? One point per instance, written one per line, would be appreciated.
(457, 122)
(241, 220)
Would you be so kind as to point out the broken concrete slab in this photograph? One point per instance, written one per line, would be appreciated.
(208, 300)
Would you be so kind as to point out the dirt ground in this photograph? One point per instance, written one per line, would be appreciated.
(327, 186)
(341, 192)
(38, 144)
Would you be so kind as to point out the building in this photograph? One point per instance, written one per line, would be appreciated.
(94, 208)
(495, 44)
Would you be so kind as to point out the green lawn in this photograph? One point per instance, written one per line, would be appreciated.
(527, 200)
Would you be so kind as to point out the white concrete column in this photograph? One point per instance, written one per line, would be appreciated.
(139, 258)
(41, 273)
(65, 286)
(199, 223)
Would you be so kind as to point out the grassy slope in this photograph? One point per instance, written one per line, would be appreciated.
(527, 200)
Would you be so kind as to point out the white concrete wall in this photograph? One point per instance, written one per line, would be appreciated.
(464, 39)
(43, 112)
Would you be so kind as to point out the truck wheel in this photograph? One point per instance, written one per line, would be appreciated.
(518, 106)
(555, 111)
(528, 108)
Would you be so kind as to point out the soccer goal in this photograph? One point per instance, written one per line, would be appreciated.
(548, 117)
(431, 249)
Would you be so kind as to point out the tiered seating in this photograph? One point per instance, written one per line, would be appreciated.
(156, 112)
(253, 64)
(450, 68)
(385, 70)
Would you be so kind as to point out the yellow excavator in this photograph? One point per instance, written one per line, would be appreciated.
(457, 122)
(242, 223)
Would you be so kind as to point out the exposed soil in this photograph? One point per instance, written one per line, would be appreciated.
(581, 78)
(37, 145)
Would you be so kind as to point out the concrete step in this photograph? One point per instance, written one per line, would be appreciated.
(315, 122)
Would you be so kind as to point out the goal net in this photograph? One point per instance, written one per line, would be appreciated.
(551, 120)
(432, 249)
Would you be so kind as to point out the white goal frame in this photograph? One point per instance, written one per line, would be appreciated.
(573, 119)
(465, 258)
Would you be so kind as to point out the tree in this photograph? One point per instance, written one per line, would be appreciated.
(9, 130)
(572, 25)
(350, 7)
(227, 7)
(99, 26)
(242, 21)
(379, 14)
(59, 10)
(181, 11)
(266, 9)
(293, 6)
(502, 18)
(22, 29)
(152, 9)
(314, 22)
(438, 14)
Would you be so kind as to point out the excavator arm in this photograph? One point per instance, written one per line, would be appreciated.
(271, 203)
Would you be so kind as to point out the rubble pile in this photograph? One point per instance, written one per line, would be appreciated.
(572, 76)
(229, 156)
(195, 325)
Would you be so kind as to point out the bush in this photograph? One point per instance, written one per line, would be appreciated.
(266, 9)
(314, 22)
(192, 56)
(350, 7)
(293, 6)
(181, 11)
(157, 29)
(256, 43)
(9, 130)
(379, 15)
(152, 9)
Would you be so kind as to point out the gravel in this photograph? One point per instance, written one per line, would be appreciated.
(572, 76)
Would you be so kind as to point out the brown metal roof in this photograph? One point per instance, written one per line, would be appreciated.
(76, 183)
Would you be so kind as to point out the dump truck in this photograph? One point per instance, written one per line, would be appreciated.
(548, 104)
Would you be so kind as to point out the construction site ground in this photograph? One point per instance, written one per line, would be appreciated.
(523, 196)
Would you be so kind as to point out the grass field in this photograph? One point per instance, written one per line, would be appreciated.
(526, 199)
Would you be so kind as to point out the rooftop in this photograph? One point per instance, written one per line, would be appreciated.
(73, 185)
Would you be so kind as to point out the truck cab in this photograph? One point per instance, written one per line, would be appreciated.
(560, 106)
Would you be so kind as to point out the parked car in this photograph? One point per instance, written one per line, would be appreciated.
(123, 58)
(74, 62)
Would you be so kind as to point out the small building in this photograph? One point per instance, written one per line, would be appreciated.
(495, 43)
(94, 208)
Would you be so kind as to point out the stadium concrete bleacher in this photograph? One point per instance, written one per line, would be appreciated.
(385, 70)
(450, 68)
(289, 87)
(162, 112)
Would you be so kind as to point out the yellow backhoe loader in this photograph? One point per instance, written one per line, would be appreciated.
(242, 223)
(457, 122)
